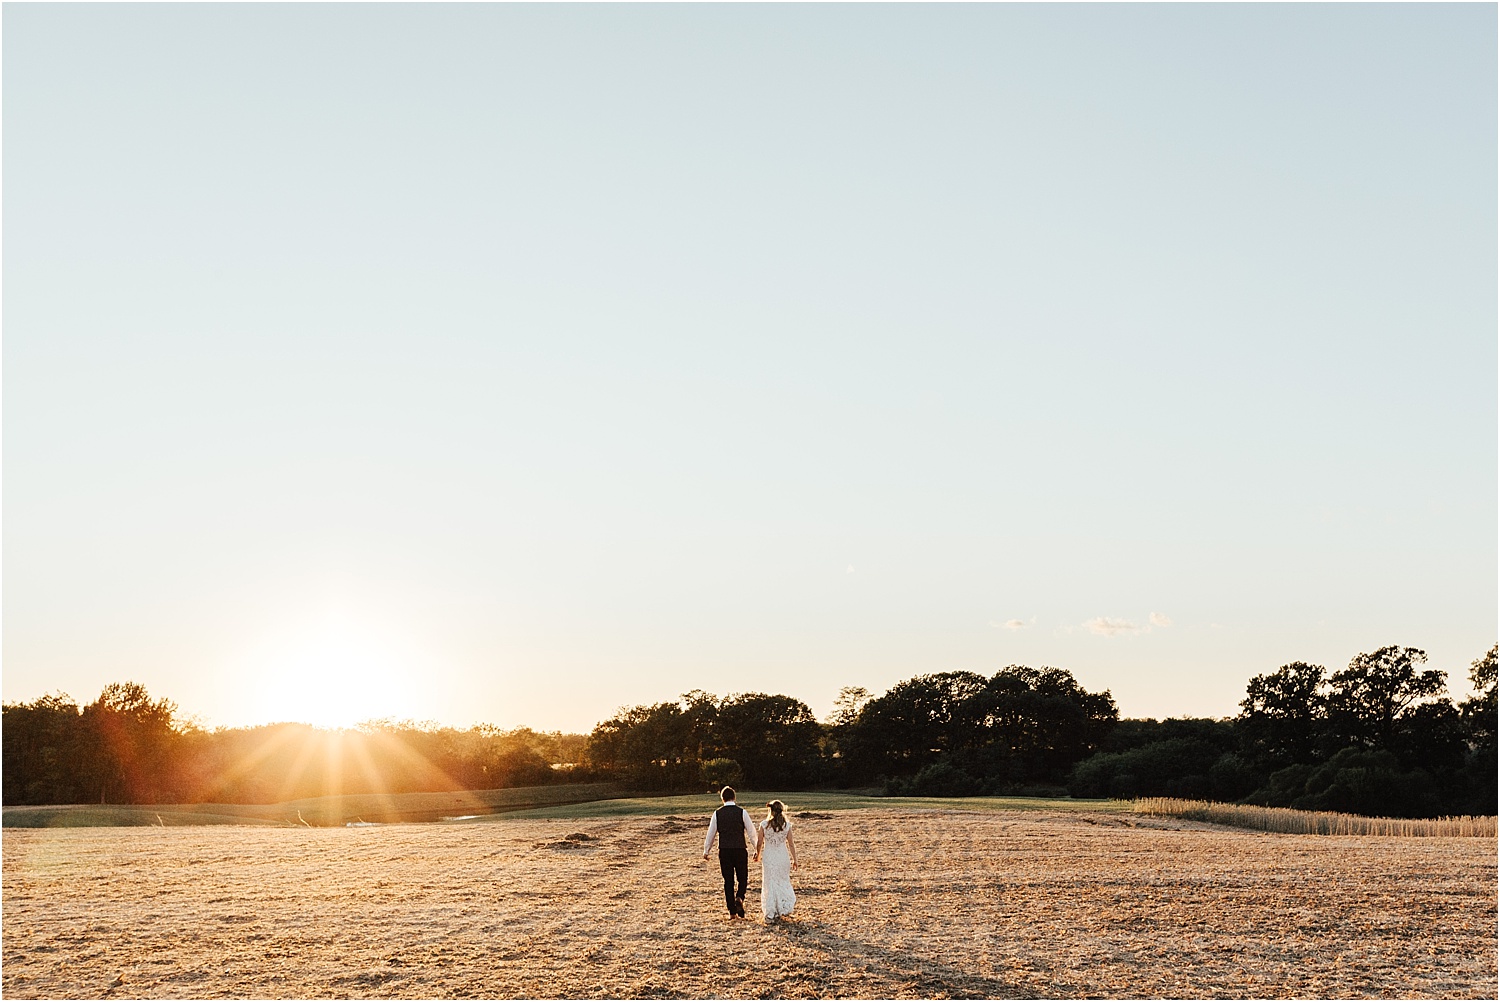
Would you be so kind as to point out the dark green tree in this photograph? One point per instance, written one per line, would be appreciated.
(1479, 710)
(651, 747)
(1478, 717)
(1190, 757)
(1368, 702)
(44, 751)
(958, 732)
(1038, 722)
(775, 739)
(908, 727)
(1284, 716)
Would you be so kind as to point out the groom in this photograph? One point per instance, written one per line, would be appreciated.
(736, 833)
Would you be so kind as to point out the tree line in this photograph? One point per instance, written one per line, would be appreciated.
(1380, 737)
(127, 748)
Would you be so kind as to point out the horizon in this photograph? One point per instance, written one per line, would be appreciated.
(502, 364)
(1457, 687)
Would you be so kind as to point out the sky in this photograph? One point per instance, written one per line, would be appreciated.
(513, 364)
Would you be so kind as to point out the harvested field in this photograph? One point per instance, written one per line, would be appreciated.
(891, 903)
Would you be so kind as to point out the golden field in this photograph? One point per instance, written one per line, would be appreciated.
(891, 903)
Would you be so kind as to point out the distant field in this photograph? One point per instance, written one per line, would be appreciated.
(316, 812)
(755, 802)
(892, 903)
(592, 800)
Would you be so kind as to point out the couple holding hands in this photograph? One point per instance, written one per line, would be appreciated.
(772, 838)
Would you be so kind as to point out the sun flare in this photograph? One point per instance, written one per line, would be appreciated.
(338, 677)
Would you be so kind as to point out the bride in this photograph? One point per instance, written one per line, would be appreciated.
(774, 838)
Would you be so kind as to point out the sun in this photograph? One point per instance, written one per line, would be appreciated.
(337, 677)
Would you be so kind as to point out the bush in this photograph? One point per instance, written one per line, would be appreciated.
(944, 779)
(1173, 767)
(1354, 781)
(1370, 783)
(1231, 777)
(1282, 787)
(721, 772)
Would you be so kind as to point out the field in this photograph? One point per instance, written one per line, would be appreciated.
(589, 800)
(337, 810)
(895, 901)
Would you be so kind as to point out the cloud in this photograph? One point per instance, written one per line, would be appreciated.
(1015, 624)
(1160, 619)
(1106, 626)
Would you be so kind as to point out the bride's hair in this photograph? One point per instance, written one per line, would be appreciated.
(776, 815)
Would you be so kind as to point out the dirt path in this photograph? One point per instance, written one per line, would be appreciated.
(890, 904)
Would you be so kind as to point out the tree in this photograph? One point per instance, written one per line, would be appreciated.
(1478, 720)
(1366, 701)
(775, 739)
(43, 751)
(961, 731)
(911, 725)
(133, 739)
(1479, 711)
(835, 743)
(1283, 717)
(661, 750)
(1039, 722)
(851, 699)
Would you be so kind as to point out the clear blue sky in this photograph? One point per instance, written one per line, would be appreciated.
(511, 364)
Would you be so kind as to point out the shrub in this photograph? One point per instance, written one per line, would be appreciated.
(1178, 766)
(721, 772)
(944, 779)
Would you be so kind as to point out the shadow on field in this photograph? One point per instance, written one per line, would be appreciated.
(899, 969)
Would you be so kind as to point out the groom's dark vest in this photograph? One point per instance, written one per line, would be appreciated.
(731, 826)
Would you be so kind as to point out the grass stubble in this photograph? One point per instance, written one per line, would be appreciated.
(892, 903)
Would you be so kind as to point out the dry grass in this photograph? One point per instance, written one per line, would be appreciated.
(891, 903)
(1287, 821)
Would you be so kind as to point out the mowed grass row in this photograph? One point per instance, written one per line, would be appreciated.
(1292, 822)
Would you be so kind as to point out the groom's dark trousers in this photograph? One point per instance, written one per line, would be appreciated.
(735, 865)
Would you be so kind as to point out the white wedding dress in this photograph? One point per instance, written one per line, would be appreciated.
(776, 895)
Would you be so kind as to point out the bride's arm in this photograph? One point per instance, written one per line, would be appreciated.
(791, 848)
(760, 840)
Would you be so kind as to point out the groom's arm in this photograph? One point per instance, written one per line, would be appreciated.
(750, 831)
(713, 829)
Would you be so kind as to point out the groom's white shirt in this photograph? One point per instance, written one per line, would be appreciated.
(713, 828)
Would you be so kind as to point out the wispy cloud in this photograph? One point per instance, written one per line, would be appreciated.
(1108, 626)
(1161, 619)
(1015, 624)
